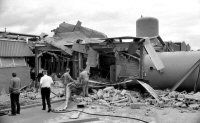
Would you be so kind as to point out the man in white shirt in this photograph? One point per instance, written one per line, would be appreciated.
(45, 84)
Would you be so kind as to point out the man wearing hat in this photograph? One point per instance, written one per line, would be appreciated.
(45, 84)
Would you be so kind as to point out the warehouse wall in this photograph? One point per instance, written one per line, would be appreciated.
(6, 74)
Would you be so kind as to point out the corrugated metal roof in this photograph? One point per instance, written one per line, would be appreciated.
(10, 48)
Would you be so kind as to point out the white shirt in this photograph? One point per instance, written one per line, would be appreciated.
(46, 81)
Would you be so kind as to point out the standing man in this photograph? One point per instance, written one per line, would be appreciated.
(67, 79)
(67, 82)
(14, 89)
(45, 84)
(84, 78)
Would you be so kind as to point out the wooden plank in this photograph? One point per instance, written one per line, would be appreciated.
(149, 89)
(185, 76)
(79, 48)
(131, 56)
(153, 55)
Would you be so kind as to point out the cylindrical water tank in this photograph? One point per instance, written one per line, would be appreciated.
(147, 27)
(177, 64)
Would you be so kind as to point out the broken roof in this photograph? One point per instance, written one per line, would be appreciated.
(90, 33)
(69, 38)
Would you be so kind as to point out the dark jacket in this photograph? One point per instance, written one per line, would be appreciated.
(15, 85)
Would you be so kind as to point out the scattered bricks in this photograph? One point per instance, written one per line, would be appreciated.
(151, 101)
(132, 99)
(181, 99)
(148, 112)
(147, 103)
(173, 94)
(160, 104)
(165, 100)
(94, 91)
(194, 106)
(108, 88)
(93, 107)
(106, 95)
(122, 100)
(178, 104)
(100, 93)
(102, 102)
(123, 92)
(181, 96)
(135, 94)
(183, 111)
(189, 99)
(184, 106)
(87, 99)
(95, 97)
(108, 99)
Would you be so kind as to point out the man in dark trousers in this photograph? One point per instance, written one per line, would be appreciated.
(14, 89)
(45, 84)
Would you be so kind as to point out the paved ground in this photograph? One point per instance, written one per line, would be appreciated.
(30, 115)
(167, 115)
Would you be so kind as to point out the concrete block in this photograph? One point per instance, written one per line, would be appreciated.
(178, 104)
(100, 93)
(123, 92)
(161, 104)
(194, 106)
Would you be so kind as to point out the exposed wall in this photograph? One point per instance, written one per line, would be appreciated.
(127, 67)
(5, 75)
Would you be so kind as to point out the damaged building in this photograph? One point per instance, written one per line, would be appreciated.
(109, 59)
(15, 56)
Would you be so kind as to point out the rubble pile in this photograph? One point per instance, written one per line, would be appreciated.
(110, 96)
(30, 95)
(180, 100)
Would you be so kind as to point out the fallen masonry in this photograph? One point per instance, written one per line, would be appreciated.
(110, 96)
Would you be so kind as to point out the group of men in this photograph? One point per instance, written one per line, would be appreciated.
(45, 85)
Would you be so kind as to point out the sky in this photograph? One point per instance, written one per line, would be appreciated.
(179, 20)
